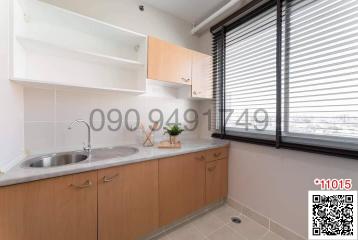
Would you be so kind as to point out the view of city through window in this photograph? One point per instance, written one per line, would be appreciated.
(319, 70)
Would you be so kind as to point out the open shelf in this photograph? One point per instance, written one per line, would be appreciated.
(54, 85)
(75, 53)
(38, 11)
(54, 47)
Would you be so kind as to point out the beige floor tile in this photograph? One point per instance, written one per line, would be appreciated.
(226, 233)
(208, 224)
(272, 236)
(186, 232)
(248, 228)
(225, 213)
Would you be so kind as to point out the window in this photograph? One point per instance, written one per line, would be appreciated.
(287, 75)
(250, 77)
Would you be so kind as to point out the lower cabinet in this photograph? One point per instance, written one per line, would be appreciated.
(57, 209)
(216, 180)
(128, 201)
(181, 187)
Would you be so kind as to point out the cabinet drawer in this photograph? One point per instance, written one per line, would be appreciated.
(212, 154)
(216, 154)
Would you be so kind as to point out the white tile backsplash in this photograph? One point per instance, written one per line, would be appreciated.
(49, 112)
(39, 105)
(39, 137)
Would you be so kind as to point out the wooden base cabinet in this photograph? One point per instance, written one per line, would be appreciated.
(128, 201)
(216, 180)
(181, 187)
(57, 209)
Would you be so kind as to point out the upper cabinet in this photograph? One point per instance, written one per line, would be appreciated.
(174, 64)
(201, 76)
(168, 62)
(55, 47)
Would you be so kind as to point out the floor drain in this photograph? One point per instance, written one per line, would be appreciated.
(236, 220)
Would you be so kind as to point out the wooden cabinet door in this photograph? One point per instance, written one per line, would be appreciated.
(168, 62)
(57, 209)
(128, 201)
(202, 76)
(216, 180)
(181, 187)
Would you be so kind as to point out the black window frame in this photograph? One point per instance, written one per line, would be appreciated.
(243, 15)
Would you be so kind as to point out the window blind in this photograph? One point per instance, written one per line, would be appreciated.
(287, 72)
(320, 83)
(250, 77)
(215, 119)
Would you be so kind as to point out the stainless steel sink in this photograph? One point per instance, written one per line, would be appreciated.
(113, 152)
(62, 159)
(56, 160)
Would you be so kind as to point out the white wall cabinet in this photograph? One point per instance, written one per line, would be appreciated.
(55, 47)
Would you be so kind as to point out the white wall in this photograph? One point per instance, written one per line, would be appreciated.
(205, 42)
(49, 112)
(11, 100)
(275, 182)
(125, 13)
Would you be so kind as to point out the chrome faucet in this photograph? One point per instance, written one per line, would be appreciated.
(87, 148)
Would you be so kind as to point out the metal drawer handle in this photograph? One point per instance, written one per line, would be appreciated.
(110, 179)
(185, 79)
(210, 169)
(202, 158)
(86, 184)
(217, 154)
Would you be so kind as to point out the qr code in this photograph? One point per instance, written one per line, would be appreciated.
(332, 215)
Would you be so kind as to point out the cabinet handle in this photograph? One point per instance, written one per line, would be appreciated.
(185, 79)
(210, 169)
(86, 184)
(217, 155)
(194, 93)
(110, 179)
(202, 158)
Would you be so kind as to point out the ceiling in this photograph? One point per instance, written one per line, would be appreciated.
(192, 11)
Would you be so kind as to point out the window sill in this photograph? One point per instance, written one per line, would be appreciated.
(351, 154)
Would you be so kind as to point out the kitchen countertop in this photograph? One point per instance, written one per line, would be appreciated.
(20, 174)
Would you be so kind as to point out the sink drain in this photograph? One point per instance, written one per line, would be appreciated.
(236, 220)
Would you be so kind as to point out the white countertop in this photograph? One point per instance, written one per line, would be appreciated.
(20, 174)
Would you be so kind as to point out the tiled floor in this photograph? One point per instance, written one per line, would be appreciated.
(217, 225)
